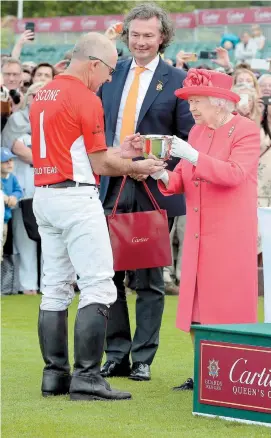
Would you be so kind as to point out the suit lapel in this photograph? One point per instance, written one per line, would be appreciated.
(158, 82)
(118, 84)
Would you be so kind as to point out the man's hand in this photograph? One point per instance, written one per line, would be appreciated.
(223, 58)
(113, 31)
(12, 201)
(26, 37)
(132, 146)
(148, 166)
(137, 177)
(182, 58)
(6, 199)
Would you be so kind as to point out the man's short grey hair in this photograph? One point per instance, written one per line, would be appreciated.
(263, 77)
(93, 44)
(146, 11)
(8, 61)
(225, 104)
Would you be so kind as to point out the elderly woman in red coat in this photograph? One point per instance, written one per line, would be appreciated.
(218, 175)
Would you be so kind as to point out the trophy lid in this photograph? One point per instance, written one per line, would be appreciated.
(157, 136)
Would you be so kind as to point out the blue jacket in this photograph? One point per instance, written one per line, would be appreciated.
(10, 187)
(161, 113)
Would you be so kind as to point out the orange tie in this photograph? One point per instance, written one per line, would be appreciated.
(129, 112)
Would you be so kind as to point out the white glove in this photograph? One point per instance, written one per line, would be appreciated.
(162, 175)
(182, 149)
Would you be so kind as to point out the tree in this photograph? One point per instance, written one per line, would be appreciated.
(104, 7)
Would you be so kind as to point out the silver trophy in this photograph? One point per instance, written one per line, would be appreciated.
(158, 145)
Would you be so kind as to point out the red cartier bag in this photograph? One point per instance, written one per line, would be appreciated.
(139, 240)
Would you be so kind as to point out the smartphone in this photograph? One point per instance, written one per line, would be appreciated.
(190, 57)
(266, 100)
(204, 54)
(30, 26)
(243, 100)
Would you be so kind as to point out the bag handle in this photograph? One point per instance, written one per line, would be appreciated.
(153, 200)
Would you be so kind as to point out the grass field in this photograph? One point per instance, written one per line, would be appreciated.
(155, 410)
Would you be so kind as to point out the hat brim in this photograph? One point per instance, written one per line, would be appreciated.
(4, 160)
(186, 92)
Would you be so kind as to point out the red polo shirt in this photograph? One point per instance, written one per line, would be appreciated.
(67, 124)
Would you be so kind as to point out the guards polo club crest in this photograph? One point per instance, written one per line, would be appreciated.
(213, 368)
(159, 86)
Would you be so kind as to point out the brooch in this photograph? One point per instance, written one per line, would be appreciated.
(159, 86)
(231, 131)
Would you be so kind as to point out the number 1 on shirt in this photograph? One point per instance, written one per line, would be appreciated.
(42, 137)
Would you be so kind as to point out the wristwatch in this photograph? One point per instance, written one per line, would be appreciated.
(229, 70)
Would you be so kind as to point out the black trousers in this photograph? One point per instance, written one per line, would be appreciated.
(149, 285)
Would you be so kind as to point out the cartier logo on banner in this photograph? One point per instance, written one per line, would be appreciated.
(262, 16)
(235, 376)
(66, 25)
(88, 23)
(235, 17)
(210, 17)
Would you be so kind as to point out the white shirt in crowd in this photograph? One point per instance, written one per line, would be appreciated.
(259, 40)
(144, 83)
(246, 52)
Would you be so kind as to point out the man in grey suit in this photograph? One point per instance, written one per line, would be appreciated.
(148, 83)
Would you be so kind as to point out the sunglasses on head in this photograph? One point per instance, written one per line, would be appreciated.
(111, 70)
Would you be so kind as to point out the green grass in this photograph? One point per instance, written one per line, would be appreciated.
(155, 410)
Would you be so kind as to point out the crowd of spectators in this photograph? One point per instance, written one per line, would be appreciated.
(21, 81)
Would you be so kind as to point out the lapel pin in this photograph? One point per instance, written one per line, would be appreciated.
(231, 131)
(159, 86)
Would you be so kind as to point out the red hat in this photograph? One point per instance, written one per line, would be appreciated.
(200, 82)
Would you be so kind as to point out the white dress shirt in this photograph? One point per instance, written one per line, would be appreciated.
(144, 83)
(259, 40)
(246, 52)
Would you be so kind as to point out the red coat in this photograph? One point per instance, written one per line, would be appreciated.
(220, 244)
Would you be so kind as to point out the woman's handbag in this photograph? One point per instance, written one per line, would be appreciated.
(139, 240)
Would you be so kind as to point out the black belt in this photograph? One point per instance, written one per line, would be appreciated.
(68, 183)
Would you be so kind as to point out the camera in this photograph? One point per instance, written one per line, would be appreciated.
(205, 54)
(15, 96)
(5, 105)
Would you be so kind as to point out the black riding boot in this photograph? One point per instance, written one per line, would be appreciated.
(53, 337)
(89, 337)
